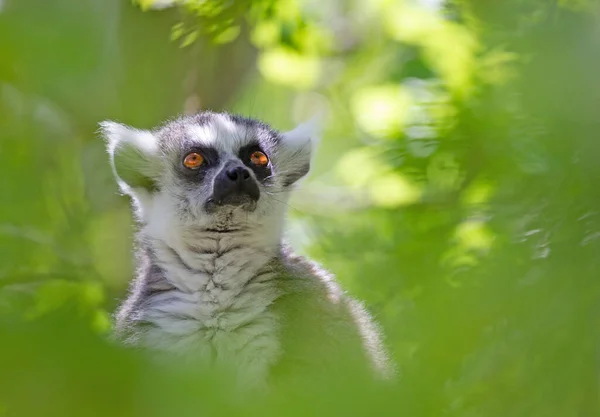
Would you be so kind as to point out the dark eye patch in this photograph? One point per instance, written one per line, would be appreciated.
(211, 159)
(261, 172)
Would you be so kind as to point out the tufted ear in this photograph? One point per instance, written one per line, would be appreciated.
(134, 156)
(296, 150)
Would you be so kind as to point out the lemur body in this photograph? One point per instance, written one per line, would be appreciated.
(214, 280)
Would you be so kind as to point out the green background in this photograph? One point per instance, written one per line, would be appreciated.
(455, 191)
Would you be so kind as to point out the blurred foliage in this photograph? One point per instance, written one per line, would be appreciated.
(455, 191)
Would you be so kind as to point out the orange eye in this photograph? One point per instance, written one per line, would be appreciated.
(193, 160)
(258, 158)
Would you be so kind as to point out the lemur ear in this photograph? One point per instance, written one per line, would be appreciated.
(297, 148)
(133, 155)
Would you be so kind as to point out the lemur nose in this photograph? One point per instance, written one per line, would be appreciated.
(235, 185)
(238, 174)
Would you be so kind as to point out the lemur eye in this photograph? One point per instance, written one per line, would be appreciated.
(258, 158)
(193, 160)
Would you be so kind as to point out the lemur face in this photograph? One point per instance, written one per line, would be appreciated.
(209, 167)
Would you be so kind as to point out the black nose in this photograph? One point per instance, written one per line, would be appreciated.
(238, 174)
(234, 185)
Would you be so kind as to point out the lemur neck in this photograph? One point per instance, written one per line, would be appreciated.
(199, 259)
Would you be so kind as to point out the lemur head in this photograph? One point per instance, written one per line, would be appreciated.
(212, 170)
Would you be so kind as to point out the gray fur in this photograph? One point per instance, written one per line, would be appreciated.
(217, 283)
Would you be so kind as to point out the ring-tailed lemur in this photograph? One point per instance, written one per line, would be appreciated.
(214, 280)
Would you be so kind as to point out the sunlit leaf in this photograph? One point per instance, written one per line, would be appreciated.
(228, 35)
(394, 190)
(156, 4)
(474, 235)
(478, 193)
(450, 48)
(289, 68)
(266, 33)
(360, 166)
(190, 38)
(177, 31)
(101, 321)
(381, 110)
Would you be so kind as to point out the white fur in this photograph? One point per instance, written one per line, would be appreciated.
(222, 134)
(230, 316)
(304, 135)
(120, 136)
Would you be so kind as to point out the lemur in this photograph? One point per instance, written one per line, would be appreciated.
(214, 278)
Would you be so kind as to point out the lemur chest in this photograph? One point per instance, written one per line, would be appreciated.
(220, 309)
